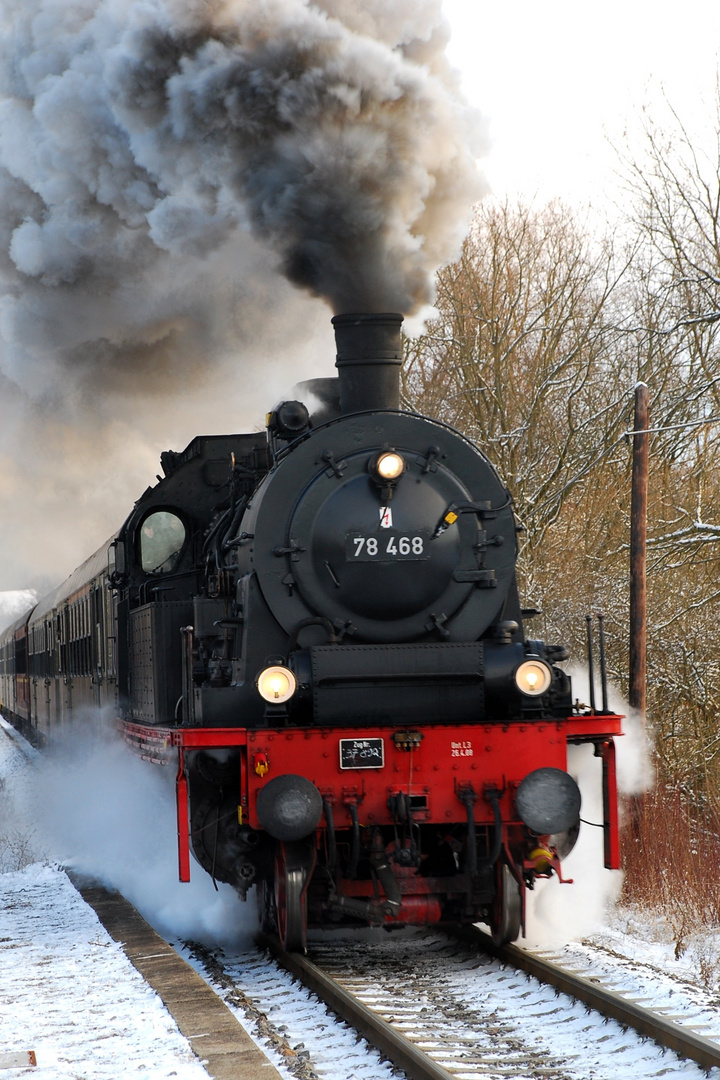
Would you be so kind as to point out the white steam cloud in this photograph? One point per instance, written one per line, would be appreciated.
(15, 603)
(91, 806)
(169, 171)
(558, 913)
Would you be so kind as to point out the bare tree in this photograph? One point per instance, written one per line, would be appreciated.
(522, 358)
(542, 332)
(674, 191)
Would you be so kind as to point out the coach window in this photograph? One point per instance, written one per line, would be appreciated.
(162, 538)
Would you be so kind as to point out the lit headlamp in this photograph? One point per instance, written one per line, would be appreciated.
(533, 677)
(387, 467)
(276, 684)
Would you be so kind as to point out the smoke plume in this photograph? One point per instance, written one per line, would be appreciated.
(135, 136)
(15, 604)
(171, 171)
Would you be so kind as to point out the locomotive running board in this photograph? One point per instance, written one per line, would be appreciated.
(159, 745)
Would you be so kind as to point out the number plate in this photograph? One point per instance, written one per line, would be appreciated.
(362, 754)
(388, 545)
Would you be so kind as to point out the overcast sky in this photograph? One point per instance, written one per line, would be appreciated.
(554, 78)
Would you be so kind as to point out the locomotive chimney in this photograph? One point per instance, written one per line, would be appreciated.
(369, 355)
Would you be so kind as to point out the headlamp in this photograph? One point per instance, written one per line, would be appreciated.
(533, 678)
(276, 684)
(388, 466)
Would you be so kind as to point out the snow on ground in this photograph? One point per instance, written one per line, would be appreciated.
(647, 942)
(68, 992)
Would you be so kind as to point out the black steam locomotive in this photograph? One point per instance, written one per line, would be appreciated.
(321, 627)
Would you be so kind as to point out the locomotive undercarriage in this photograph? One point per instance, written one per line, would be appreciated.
(393, 873)
(392, 827)
(298, 887)
(448, 824)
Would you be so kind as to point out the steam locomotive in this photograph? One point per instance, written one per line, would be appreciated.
(320, 627)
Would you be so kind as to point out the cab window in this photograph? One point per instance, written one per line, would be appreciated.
(162, 537)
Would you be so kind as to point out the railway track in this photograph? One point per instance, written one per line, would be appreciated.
(434, 1006)
(652, 1021)
(510, 1018)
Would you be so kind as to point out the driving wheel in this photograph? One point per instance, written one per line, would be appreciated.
(506, 911)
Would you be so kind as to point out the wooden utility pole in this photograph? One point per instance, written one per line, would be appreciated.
(638, 548)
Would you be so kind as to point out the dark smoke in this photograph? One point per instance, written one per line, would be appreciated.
(164, 164)
(133, 130)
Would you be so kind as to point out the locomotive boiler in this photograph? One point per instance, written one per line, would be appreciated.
(320, 627)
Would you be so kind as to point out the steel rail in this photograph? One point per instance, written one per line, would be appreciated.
(645, 1021)
(379, 1034)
